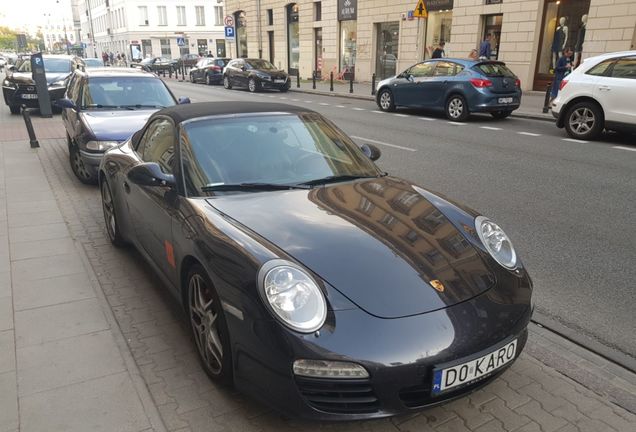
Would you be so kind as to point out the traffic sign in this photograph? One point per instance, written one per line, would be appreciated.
(228, 21)
(420, 10)
(181, 41)
(229, 33)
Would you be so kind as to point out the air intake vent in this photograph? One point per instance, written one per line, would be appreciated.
(339, 396)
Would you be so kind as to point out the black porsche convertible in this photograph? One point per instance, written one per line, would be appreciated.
(311, 279)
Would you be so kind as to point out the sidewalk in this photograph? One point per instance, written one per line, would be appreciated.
(89, 340)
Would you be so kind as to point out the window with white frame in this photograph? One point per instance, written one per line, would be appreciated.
(162, 15)
(200, 11)
(143, 15)
(218, 15)
(181, 15)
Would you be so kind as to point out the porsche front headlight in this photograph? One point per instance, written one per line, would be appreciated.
(496, 242)
(293, 296)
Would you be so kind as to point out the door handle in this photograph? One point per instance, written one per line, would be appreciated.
(604, 88)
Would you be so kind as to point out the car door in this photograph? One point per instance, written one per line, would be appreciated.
(434, 89)
(242, 72)
(150, 208)
(617, 91)
(196, 70)
(406, 89)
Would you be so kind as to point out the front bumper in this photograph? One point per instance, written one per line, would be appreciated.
(23, 95)
(399, 354)
(91, 160)
(275, 86)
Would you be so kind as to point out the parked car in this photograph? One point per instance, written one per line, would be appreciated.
(255, 74)
(19, 89)
(93, 63)
(189, 60)
(156, 64)
(3, 62)
(209, 70)
(104, 107)
(599, 94)
(311, 279)
(457, 86)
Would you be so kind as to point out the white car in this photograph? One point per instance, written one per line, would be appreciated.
(599, 94)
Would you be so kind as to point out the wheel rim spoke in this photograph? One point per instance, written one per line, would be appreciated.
(204, 324)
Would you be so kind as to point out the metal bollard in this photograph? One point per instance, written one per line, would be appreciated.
(170, 73)
(546, 101)
(298, 79)
(373, 85)
(313, 80)
(29, 125)
(351, 83)
(331, 81)
(164, 72)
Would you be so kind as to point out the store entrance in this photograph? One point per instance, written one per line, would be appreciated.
(386, 50)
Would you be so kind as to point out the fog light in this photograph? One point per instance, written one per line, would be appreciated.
(329, 369)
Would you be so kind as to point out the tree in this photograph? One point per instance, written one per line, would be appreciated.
(7, 39)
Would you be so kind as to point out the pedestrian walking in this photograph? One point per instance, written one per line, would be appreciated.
(111, 56)
(485, 49)
(562, 68)
(210, 54)
(439, 51)
(105, 58)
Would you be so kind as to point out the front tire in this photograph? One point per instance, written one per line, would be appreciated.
(208, 79)
(110, 216)
(208, 326)
(79, 169)
(252, 85)
(226, 82)
(386, 101)
(456, 108)
(501, 114)
(192, 78)
(584, 121)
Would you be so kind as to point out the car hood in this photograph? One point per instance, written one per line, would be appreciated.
(379, 242)
(26, 77)
(115, 125)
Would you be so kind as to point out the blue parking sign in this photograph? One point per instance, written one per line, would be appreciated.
(229, 33)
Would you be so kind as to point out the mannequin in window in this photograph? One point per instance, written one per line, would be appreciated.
(559, 41)
(580, 38)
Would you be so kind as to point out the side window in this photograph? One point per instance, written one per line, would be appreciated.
(601, 68)
(625, 68)
(444, 69)
(194, 176)
(159, 145)
(422, 70)
(73, 87)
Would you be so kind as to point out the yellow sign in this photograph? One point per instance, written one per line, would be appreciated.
(420, 10)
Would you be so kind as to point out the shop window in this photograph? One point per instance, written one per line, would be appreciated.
(202, 46)
(348, 48)
(185, 49)
(438, 29)
(386, 49)
(492, 28)
(293, 38)
(318, 11)
(220, 48)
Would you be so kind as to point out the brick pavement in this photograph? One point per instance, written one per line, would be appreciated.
(535, 394)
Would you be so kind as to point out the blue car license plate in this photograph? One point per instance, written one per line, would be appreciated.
(29, 96)
(473, 370)
(506, 100)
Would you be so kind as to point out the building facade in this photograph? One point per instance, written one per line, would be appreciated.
(152, 28)
(381, 37)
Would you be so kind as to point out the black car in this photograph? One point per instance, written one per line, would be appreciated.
(19, 89)
(104, 107)
(312, 280)
(156, 64)
(209, 70)
(255, 74)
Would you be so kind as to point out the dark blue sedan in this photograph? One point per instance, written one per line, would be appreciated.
(104, 107)
(457, 86)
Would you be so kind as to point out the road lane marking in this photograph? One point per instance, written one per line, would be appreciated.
(529, 134)
(323, 104)
(457, 123)
(282, 97)
(377, 112)
(296, 100)
(340, 106)
(383, 143)
(400, 115)
(358, 109)
(574, 140)
(272, 96)
(490, 127)
(426, 118)
(308, 101)
(625, 148)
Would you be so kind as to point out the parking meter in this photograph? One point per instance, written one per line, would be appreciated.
(39, 76)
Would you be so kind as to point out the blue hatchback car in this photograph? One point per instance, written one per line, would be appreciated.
(104, 107)
(458, 86)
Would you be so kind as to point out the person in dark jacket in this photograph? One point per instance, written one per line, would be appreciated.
(485, 49)
(563, 66)
(439, 51)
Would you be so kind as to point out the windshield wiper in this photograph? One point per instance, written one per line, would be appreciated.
(99, 106)
(142, 106)
(335, 179)
(250, 186)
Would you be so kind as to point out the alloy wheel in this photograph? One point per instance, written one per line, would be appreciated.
(385, 101)
(204, 317)
(78, 166)
(455, 108)
(109, 211)
(226, 82)
(252, 85)
(191, 78)
(582, 120)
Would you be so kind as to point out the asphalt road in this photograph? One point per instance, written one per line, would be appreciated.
(569, 206)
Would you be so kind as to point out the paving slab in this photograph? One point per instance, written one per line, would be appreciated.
(41, 248)
(30, 219)
(107, 404)
(6, 313)
(67, 361)
(36, 326)
(8, 402)
(52, 291)
(38, 232)
(7, 351)
(46, 267)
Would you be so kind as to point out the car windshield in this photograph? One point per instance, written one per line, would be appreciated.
(268, 149)
(93, 62)
(261, 64)
(126, 93)
(51, 65)
(495, 70)
(146, 61)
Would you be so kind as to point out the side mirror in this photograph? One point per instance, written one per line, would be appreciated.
(371, 151)
(150, 174)
(184, 100)
(65, 103)
(243, 68)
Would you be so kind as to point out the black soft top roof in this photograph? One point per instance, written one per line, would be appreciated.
(181, 113)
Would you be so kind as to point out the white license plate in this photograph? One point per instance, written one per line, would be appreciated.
(473, 370)
(279, 81)
(29, 96)
(506, 100)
